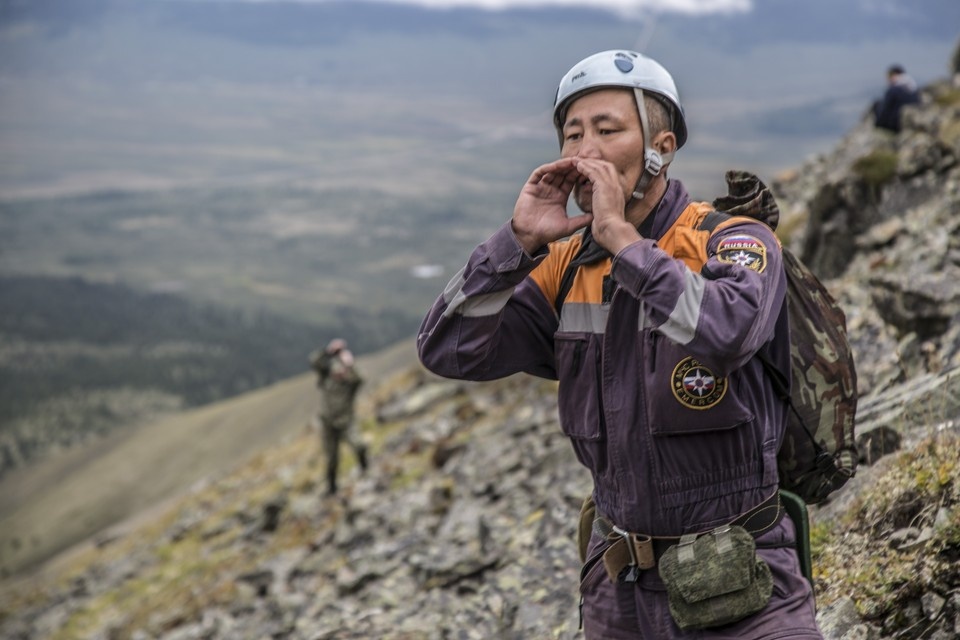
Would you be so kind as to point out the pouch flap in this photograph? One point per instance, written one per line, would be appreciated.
(716, 563)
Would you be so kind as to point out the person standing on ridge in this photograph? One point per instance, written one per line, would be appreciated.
(661, 390)
(339, 382)
(901, 91)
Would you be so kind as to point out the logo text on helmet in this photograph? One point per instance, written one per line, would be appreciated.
(582, 74)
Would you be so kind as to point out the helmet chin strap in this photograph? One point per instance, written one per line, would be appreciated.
(653, 162)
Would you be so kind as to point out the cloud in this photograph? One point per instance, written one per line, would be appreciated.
(621, 7)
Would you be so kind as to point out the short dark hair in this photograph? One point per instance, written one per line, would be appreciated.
(658, 114)
(895, 70)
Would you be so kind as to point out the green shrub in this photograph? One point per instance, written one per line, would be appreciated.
(876, 168)
(948, 99)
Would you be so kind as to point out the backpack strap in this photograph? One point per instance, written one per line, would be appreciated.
(782, 389)
(797, 510)
(712, 220)
(566, 282)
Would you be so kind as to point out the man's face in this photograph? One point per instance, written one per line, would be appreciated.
(604, 124)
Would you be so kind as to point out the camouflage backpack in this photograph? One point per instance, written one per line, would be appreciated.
(819, 453)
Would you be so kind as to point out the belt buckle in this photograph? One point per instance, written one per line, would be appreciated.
(642, 557)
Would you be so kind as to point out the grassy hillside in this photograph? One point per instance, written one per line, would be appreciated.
(62, 500)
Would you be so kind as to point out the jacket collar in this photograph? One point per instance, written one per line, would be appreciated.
(675, 199)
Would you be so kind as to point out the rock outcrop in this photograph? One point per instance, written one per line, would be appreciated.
(881, 222)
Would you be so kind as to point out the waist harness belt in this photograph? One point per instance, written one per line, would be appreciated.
(629, 553)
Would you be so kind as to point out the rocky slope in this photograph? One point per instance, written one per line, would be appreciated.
(464, 526)
(880, 215)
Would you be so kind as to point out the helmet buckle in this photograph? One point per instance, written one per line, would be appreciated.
(652, 162)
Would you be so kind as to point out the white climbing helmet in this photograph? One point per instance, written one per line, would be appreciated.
(629, 70)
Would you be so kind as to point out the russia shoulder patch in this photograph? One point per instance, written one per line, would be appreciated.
(743, 250)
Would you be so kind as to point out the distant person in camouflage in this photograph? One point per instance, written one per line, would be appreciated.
(339, 382)
(901, 91)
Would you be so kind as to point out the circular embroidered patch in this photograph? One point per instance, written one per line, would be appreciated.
(695, 386)
(743, 250)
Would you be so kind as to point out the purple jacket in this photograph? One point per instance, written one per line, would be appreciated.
(659, 392)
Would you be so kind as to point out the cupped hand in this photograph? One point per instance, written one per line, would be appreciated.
(609, 226)
(540, 215)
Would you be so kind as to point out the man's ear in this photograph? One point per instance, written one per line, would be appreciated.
(665, 142)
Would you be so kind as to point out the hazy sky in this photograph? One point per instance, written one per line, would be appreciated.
(623, 7)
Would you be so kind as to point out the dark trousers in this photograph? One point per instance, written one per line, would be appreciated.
(333, 434)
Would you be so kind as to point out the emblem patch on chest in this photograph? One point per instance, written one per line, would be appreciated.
(745, 251)
(695, 386)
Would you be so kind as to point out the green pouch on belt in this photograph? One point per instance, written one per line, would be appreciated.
(715, 579)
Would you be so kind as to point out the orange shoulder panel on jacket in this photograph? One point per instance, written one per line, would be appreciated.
(587, 287)
(548, 273)
(684, 240)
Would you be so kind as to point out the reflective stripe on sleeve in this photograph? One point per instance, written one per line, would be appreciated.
(476, 306)
(454, 286)
(681, 326)
(486, 305)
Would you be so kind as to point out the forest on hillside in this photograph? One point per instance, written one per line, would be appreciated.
(80, 358)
